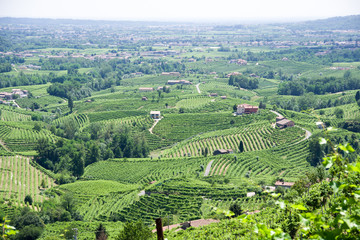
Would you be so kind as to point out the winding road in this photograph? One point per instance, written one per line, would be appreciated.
(307, 132)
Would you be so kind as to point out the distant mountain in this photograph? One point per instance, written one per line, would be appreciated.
(336, 23)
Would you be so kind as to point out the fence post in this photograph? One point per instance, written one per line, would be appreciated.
(159, 229)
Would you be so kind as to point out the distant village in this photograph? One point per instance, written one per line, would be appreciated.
(15, 93)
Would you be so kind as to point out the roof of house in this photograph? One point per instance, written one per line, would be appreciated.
(284, 121)
(286, 184)
(155, 112)
(221, 150)
(245, 105)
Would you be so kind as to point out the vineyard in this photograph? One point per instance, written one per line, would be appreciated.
(20, 178)
(178, 127)
(23, 140)
(13, 116)
(254, 137)
(145, 170)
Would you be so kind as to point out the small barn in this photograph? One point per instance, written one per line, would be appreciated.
(284, 123)
(144, 98)
(222, 151)
(155, 114)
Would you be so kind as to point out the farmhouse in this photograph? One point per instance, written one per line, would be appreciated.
(146, 89)
(223, 97)
(233, 74)
(284, 123)
(222, 151)
(144, 98)
(213, 95)
(283, 184)
(183, 82)
(173, 82)
(238, 61)
(6, 95)
(170, 73)
(246, 108)
(155, 114)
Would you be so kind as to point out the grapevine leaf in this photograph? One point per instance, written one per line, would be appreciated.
(298, 207)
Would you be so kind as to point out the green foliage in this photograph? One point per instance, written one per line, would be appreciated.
(134, 231)
(7, 230)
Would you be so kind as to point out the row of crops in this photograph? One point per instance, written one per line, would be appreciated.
(145, 170)
(19, 178)
(285, 161)
(150, 207)
(22, 140)
(254, 138)
(79, 120)
(178, 127)
(12, 116)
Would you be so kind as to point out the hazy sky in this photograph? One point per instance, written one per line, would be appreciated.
(184, 10)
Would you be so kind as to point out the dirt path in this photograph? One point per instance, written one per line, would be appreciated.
(4, 146)
(197, 88)
(208, 168)
(152, 127)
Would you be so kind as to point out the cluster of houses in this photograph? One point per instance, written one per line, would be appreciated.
(10, 96)
(238, 61)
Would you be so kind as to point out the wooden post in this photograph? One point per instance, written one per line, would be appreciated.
(159, 229)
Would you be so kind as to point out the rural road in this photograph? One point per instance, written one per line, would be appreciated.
(197, 87)
(307, 132)
(15, 104)
(278, 114)
(208, 167)
(152, 127)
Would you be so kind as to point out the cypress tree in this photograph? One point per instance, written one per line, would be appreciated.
(241, 147)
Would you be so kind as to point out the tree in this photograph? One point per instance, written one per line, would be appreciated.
(241, 147)
(357, 96)
(29, 233)
(28, 199)
(70, 103)
(235, 107)
(134, 231)
(78, 164)
(37, 127)
(236, 209)
(101, 233)
(206, 152)
(339, 113)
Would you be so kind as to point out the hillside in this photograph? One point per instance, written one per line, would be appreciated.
(103, 124)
